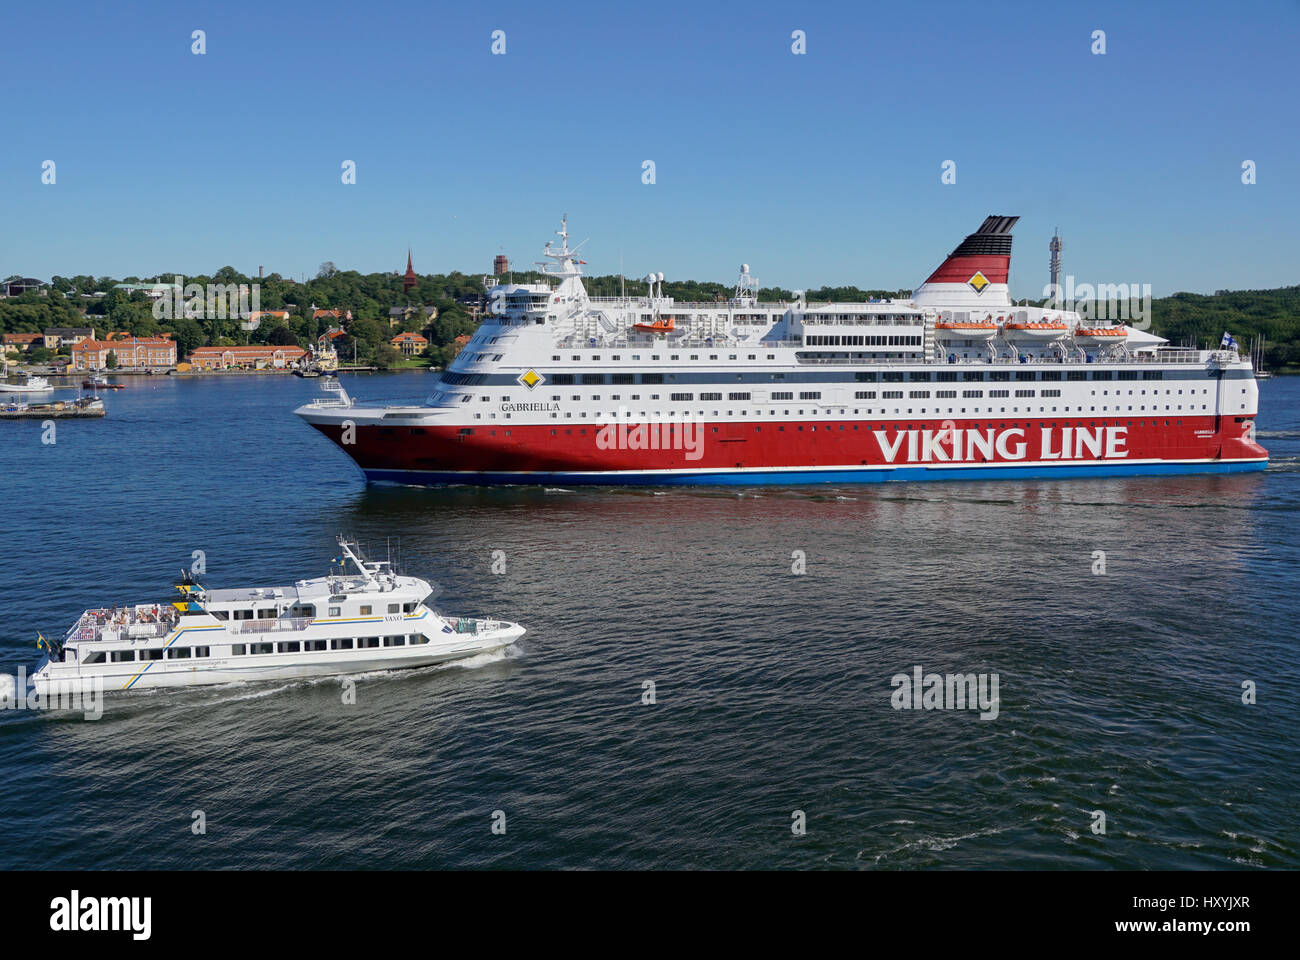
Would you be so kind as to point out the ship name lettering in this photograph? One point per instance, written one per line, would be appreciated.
(969, 445)
(542, 407)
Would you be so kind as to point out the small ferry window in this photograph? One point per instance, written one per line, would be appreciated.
(335, 611)
(220, 614)
(417, 638)
(243, 614)
(308, 610)
(178, 653)
(155, 654)
(237, 650)
(394, 641)
(122, 656)
(394, 607)
(344, 643)
(366, 642)
(202, 652)
(93, 656)
(314, 644)
(261, 648)
(266, 614)
(408, 608)
(365, 609)
(287, 646)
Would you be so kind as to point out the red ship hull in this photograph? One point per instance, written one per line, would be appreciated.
(843, 450)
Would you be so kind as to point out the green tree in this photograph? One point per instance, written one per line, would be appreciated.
(189, 335)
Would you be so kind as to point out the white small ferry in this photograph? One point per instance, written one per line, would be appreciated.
(361, 617)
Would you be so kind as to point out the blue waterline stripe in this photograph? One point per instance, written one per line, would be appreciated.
(778, 477)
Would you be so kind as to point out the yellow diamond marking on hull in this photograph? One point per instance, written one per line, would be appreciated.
(979, 282)
(530, 379)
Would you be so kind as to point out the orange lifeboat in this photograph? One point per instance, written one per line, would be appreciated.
(962, 330)
(662, 325)
(1036, 329)
(1095, 336)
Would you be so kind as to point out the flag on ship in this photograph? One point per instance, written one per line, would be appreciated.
(1228, 342)
(42, 642)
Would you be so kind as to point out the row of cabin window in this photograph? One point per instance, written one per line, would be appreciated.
(950, 376)
(338, 643)
(569, 379)
(306, 611)
(242, 649)
(873, 340)
(128, 656)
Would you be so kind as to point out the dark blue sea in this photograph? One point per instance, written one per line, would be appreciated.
(1119, 692)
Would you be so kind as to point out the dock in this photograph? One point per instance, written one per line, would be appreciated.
(59, 410)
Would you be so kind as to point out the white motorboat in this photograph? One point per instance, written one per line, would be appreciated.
(359, 618)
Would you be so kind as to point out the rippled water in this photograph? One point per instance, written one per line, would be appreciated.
(1119, 693)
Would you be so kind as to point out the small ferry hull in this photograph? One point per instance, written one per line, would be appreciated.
(51, 680)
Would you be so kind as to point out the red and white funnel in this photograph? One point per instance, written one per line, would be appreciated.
(975, 274)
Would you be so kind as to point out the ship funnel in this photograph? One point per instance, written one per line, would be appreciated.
(976, 273)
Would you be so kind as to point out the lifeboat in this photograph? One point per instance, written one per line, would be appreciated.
(1035, 330)
(973, 330)
(662, 325)
(1098, 336)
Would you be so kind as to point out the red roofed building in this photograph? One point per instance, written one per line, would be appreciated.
(142, 353)
(327, 314)
(22, 342)
(409, 343)
(246, 358)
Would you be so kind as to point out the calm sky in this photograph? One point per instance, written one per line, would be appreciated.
(822, 168)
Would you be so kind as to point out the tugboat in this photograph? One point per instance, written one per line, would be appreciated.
(97, 382)
(360, 617)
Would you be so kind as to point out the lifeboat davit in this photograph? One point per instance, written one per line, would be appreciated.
(1035, 330)
(662, 325)
(961, 330)
(1098, 336)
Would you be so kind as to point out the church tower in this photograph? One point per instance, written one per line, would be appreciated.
(410, 280)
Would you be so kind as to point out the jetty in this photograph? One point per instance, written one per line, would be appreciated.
(60, 409)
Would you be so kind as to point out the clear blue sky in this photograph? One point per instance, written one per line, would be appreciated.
(815, 169)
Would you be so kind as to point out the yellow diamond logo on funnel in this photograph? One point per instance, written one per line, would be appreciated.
(530, 379)
(978, 282)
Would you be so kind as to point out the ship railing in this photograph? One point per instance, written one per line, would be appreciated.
(101, 624)
(1159, 356)
(272, 626)
(472, 625)
(674, 343)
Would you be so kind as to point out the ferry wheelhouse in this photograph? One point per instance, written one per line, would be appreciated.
(956, 382)
(363, 616)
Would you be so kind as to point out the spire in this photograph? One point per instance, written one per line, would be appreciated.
(410, 279)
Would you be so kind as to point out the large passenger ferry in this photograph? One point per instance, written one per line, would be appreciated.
(363, 616)
(956, 382)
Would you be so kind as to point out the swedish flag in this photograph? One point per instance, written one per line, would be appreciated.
(42, 642)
